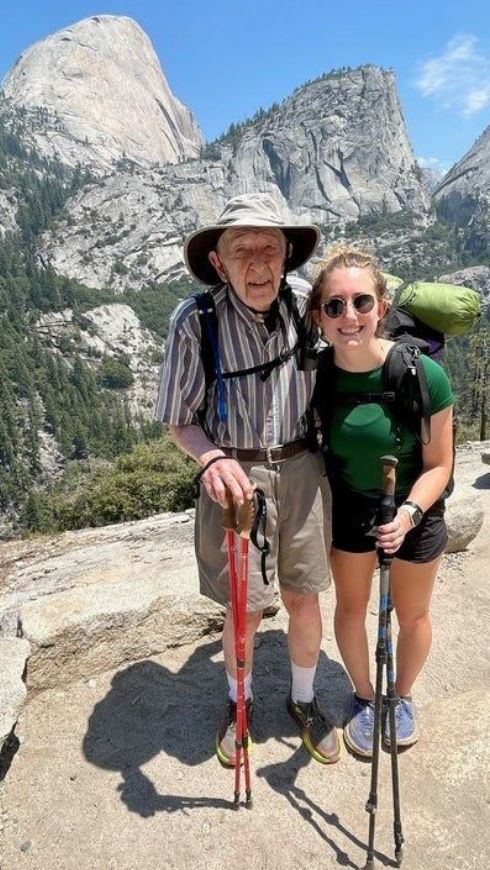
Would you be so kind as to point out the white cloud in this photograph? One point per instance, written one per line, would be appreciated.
(459, 78)
(434, 163)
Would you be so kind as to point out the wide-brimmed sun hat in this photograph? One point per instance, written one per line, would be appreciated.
(254, 210)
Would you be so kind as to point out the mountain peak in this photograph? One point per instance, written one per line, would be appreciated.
(106, 96)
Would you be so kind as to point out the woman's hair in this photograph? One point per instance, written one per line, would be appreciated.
(345, 257)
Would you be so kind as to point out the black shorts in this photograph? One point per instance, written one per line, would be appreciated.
(353, 519)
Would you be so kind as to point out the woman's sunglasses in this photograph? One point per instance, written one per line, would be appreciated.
(334, 307)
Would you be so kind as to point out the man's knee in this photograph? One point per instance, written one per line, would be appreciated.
(252, 620)
(298, 604)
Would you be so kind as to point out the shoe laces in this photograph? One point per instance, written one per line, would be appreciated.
(403, 708)
(367, 713)
(312, 713)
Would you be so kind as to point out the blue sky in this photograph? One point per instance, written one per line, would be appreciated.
(225, 58)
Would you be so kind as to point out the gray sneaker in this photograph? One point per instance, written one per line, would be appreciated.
(359, 729)
(407, 732)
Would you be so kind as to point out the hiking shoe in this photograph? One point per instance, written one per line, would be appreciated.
(318, 731)
(407, 732)
(359, 730)
(225, 738)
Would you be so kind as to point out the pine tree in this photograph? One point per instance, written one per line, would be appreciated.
(480, 364)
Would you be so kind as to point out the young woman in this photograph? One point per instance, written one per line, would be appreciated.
(349, 301)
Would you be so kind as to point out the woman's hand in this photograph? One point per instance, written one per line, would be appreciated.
(391, 536)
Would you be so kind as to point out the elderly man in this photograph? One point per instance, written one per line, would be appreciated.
(246, 425)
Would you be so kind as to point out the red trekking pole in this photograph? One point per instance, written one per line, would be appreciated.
(239, 519)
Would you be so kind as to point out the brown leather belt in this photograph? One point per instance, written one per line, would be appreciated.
(267, 454)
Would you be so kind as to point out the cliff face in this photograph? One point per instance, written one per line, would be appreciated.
(103, 95)
(463, 196)
(336, 150)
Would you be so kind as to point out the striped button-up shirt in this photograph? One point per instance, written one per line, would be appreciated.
(261, 413)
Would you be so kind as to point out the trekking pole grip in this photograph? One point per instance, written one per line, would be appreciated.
(387, 507)
(245, 518)
(229, 521)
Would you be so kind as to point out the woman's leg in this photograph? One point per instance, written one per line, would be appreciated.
(352, 574)
(411, 589)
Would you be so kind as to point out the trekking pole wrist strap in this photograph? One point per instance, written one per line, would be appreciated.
(197, 479)
(259, 526)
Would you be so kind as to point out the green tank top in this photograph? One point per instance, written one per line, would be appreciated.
(361, 434)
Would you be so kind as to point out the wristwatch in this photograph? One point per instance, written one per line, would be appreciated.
(414, 511)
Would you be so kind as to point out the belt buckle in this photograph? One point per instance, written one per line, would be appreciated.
(268, 453)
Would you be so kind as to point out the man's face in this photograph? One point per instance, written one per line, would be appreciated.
(252, 262)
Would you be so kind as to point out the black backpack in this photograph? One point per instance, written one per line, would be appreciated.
(405, 391)
(401, 325)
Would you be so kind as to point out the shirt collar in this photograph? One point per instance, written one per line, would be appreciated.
(272, 316)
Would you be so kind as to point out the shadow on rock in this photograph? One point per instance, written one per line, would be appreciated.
(482, 482)
(282, 778)
(149, 710)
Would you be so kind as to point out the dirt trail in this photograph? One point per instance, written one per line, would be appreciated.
(118, 771)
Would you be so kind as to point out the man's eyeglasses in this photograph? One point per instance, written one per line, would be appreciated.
(334, 307)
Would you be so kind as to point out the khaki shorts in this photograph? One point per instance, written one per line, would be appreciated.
(298, 531)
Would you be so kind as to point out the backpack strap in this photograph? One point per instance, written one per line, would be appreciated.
(210, 354)
(405, 388)
(404, 375)
(324, 402)
(209, 330)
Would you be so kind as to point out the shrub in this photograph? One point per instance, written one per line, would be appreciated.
(115, 374)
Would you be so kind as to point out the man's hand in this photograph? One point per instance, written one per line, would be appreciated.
(227, 474)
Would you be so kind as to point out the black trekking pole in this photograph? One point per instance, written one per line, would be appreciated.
(393, 700)
(384, 657)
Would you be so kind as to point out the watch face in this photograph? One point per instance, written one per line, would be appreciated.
(415, 512)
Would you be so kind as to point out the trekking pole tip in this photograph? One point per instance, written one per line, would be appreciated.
(398, 857)
(369, 865)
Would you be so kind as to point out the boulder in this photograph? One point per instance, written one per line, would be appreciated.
(14, 653)
(89, 601)
(464, 518)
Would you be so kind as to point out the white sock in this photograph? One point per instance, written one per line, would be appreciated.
(302, 683)
(233, 687)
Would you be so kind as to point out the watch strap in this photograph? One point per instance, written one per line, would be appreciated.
(414, 511)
